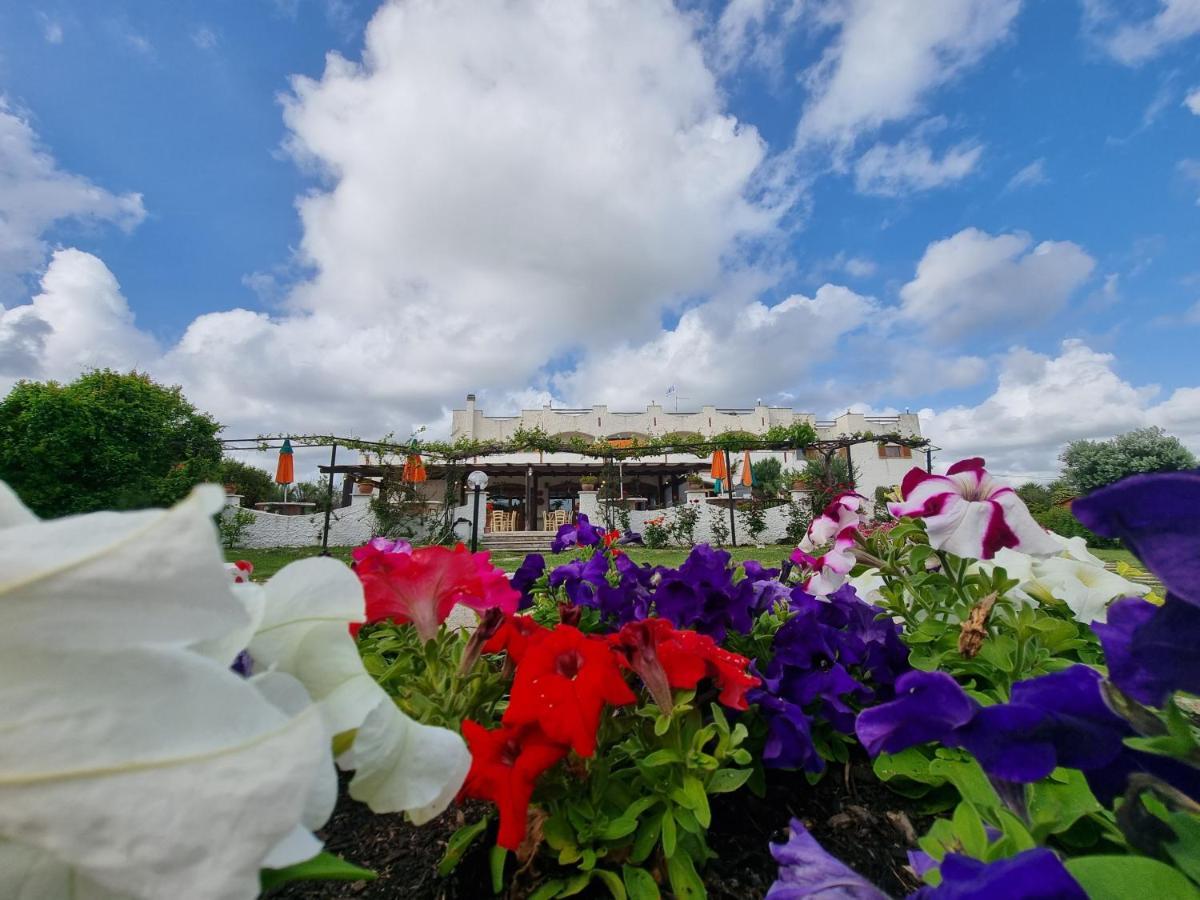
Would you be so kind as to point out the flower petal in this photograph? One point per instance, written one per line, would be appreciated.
(155, 773)
(404, 765)
(12, 511)
(79, 569)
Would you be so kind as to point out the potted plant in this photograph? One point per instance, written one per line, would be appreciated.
(588, 482)
(366, 487)
(695, 482)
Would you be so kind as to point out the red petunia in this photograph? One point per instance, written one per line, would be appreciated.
(505, 765)
(423, 585)
(654, 645)
(562, 685)
(515, 636)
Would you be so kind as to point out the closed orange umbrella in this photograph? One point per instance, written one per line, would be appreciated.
(414, 469)
(285, 471)
(719, 472)
(747, 472)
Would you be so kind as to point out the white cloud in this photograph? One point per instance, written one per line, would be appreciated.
(35, 195)
(1030, 176)
(909, 166)
(1042, 402)
(974, 281)
(1189, 170)
(204, 37)
(52, 29)
(726, 353)
(860, 267)
(754, 32)
(77, 321)
(1134, 42)
(889, 54)
(1192, 101)
(499, 186)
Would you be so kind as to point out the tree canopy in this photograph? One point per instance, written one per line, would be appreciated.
(104, 441)
(1088, 465)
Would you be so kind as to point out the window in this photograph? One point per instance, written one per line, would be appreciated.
(894, 451)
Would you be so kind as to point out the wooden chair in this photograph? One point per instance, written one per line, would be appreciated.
(555, 519)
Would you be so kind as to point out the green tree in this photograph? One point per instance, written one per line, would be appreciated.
(768, 476)
(1088, 465)
(828, 479)
(254, 484)
(1036, 496)
(105, 441)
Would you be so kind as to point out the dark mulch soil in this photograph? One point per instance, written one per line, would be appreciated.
(853, 815)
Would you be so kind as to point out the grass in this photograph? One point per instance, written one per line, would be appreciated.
(268, 562)
(1117, 555)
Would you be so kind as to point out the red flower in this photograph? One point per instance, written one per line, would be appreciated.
(684, 657)
(422, 586)
(505, 763)
(563, 683)
(515, 636)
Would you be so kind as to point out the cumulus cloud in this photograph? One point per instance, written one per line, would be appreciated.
(35, 194)
(1135, 41)
(893, 170)
(890, 54)
(708, 353)
(1042, 402)
(1189, 170)
(79, 320)
(1192, 101)
(973, 281)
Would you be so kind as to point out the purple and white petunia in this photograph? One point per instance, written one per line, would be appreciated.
(968, 513)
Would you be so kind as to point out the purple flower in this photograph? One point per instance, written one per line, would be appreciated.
(630, 537)
(789, 743)
(701, 595)
(582, 534)
(582, 578)
(806, 870)
(929, 706)
(243, 664)
(531, 569)
(1151, 650)
(1033, 875)
(1158, 518)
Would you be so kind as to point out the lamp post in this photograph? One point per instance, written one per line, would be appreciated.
(476, 481)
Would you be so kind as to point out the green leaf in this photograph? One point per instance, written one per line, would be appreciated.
(661, 758)
(612, 881)
(668, 833)
(647, 836)
(639, 883)
(724, 781)
(1055, 805)
(496, 860)
(694, 788)
(547, 889)
(1185, 849)
(616, 829)
(1121, 877)
(662, 725)
(969, 830)
(910, 763)
(458, 844)
(685, 883)
(322, 867)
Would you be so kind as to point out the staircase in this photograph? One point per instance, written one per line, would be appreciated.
(518, 542)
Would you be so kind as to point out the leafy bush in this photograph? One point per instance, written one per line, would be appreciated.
(683, 529)
(768, 476)
(1088, 465)
(754, 519)
(105, 441)
(718, 525)
(655, 533)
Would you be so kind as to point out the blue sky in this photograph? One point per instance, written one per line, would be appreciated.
(989, 211)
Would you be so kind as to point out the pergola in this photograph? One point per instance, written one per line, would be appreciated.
(625, 456)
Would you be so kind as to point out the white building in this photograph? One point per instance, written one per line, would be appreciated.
(532, 483)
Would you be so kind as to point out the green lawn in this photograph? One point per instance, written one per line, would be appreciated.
(268, 562)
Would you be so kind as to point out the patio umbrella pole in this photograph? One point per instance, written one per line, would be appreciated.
(328, 502)
(732, 516)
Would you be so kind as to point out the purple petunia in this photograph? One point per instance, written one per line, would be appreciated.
(531, 569)
(582, 534)
(1158, 518)
(1151, 650)
(582, 578)
(829, 658)
(807, 870)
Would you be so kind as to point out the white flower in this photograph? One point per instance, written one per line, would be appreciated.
(1086, 587)
(131, 765)
(867, 585)
(399, 764)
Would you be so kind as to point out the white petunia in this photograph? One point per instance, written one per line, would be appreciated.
(132, 766)
(399, 764)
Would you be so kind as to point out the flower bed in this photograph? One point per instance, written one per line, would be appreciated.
(957, 705)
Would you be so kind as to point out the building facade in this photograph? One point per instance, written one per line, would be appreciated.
(532, 484)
